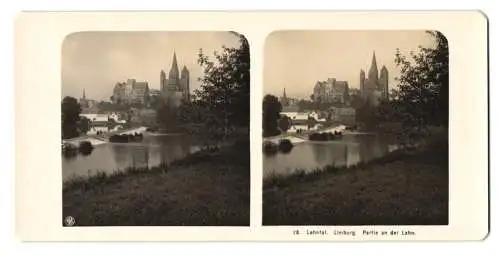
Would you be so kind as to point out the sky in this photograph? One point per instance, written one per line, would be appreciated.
(96, 61)
(295, 60)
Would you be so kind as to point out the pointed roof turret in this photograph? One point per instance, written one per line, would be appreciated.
(185, 71)
(373, 74)
(374, 61)
(174, 70)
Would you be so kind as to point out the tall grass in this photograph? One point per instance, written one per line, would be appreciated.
(302, 175)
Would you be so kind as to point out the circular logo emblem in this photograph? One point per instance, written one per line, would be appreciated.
(69, 221)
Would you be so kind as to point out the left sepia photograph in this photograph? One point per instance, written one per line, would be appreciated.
(155, 129)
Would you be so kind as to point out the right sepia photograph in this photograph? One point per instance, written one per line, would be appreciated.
(355, 128)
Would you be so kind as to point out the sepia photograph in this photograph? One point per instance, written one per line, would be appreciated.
(355, 128)
(349, 131)
(155, 129)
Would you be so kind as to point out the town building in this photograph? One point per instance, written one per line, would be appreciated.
(97, 119)
(374, 87)
(154, 93)
(331, 91)
(354, 92)
(175, 88)
(131, 92)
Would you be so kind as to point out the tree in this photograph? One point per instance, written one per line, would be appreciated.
(84, 125)
(284, 123)
(271, 109)
(366, 114)
(155, 101)
(167, 114)
(356, 101)
(225, 89)
(70, 116)
(422, 94)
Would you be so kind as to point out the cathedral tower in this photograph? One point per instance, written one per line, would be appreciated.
(173, 75)
(185, 83)
(373, 73)
(163, 80)
(384, 82)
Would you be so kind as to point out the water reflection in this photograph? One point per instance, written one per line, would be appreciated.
(109, 157)
(350, 150)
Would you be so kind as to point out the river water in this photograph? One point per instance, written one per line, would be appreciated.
(109, 157)
(311, 155)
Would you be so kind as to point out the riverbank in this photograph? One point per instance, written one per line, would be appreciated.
(406, 187)
(203, 189)
(96, 140)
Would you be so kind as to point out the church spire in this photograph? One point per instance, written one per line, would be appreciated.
(83, 93)
(374, 61)
(174, 61)
(284, 92)
(373, 74)
(174, 70)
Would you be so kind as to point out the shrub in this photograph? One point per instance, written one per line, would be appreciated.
(270, 148)
(285, 145)
(324, 136)
(85, 148)
(125, 138)
(69, 151)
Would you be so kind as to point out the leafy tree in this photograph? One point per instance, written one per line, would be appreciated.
(84, 125)
(366, 114)
(70, 116)
(155, 101)
(357, 101)
(284, 123)
(224, 94)
(167, 114)
(422, 95)
(271, 109)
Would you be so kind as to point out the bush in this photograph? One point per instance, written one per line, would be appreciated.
(69, 151)
(270, 148)
(85, 148)
(324, 136)
(152, 129)
(285, 145)
(125, 138)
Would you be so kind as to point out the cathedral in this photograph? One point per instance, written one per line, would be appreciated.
(374, 87)
(175, 87)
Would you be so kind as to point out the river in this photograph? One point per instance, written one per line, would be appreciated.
(311, 155)
(109, 157)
